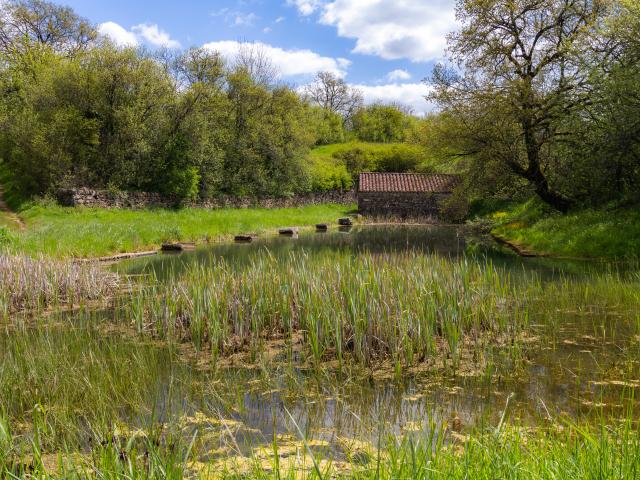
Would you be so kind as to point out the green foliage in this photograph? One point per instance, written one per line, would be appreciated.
(328, 173)
(337, 166)
(455, 208)
(114, 117)
(381, 123)
(328, 126)
(509, 111)
(363, 157)
(182, 183)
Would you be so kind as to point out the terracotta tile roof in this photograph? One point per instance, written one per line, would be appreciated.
(407, 182)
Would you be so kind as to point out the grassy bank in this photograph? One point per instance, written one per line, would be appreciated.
(587, 233)
(91, 232)
(577, 452)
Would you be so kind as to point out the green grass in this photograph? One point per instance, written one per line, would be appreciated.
(78, 401)
(85, 397)
(576, 452)
(92, 232)
(588, 233)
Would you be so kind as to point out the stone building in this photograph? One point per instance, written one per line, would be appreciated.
(404, 194)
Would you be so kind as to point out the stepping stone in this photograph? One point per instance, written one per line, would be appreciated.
(322, 227)
(345, 222)
(244, 238)
(290, 232)
(177, 247)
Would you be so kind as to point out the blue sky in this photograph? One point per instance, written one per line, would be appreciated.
(383, 47)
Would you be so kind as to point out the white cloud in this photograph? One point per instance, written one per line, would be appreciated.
(396, 75)
(139, 33)
(410, 94)
(279, 19)
(155, 36)
(305, 7)
(117, 34)
(245, 20)
(391, 29)
(289, 62)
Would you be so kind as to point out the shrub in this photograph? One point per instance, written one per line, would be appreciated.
(363, 157)
(183, 183)
(456, 207)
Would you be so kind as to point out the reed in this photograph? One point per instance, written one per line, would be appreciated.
(39, 283)
(403, 306)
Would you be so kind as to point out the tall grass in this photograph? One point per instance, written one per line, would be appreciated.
(404, 306)
(39, 283)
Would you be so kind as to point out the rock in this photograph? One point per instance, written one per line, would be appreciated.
(322, 227)
(289, 231)
(177, 247)
(244, 238)
(345, 222)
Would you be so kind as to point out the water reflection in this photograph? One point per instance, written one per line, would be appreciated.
(446, 241)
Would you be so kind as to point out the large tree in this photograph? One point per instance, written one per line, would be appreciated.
(523, 68)
(333, 94)
(25, 23)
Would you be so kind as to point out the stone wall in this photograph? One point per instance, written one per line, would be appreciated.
(402, 204)
(87, 197)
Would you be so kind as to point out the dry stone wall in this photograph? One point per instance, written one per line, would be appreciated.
(87, 197)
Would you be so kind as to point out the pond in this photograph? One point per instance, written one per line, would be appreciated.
(569, 372)
(579, 359)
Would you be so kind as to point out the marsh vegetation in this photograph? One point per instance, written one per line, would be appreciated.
(293, 358)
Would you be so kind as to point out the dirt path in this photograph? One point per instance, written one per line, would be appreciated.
(9, 214)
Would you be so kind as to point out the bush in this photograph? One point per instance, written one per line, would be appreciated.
(327, 174)
(456, 207)
(364, 157)
(381, 123)
(182, 183)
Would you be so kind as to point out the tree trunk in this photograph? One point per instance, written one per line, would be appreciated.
(534, 174)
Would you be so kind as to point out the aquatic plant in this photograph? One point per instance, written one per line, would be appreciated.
(37, 283)
(404, 306)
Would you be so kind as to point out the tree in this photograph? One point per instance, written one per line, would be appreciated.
(24, 23)
(380, 123)
(334, 94)
(253, 59)
(526, 66)
(328, 126)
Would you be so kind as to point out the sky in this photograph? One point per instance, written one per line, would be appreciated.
(383, 47)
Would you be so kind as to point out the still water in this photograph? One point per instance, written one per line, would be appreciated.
(580, 364)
